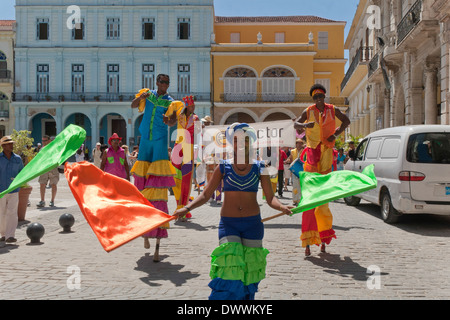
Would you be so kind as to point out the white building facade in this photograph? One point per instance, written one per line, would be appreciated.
(409, 71)
(84, 64)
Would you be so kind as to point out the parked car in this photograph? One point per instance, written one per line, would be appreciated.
(412, 166)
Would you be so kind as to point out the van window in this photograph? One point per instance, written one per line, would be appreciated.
(360, 149)
(390, 148)
(429, 148)
(372, 148)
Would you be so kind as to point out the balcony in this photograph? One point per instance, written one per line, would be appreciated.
(84, 97)
(357, 70)
(4, 114)
(271, 98)
(414, 27)
(5, 76)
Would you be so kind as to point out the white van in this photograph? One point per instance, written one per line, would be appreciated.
(412, 166)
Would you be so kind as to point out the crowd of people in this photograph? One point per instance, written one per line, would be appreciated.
(238, 264)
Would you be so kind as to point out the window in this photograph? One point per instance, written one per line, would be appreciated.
(184, 78)
(235, 37)
(429, 148)
(43, 32)
(78, 78)
(325, 83)
(148, 29)
(113, 28)
(184, 32)
(148, 76)
(323, 40)
(372, 149)
(240, 85)
(390, 148)
(42, 78)
(279, 37)
(112, 78)
(278, 84)
(78, 30)
(361, 149)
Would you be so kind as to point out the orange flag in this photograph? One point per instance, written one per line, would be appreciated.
(114, 208)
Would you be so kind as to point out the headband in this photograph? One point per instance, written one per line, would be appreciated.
(317, 91)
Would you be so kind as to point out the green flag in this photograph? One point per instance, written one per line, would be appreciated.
(51, 156)
(318, 189)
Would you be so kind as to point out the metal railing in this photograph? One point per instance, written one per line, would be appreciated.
(409, 21)
(5, 75)
(373, 65)
(95, 96)
(304, 97)
(363, 54)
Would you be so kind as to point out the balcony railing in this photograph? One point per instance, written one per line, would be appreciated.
(409, 21)
(95, 96)
(373, 65)
(248, 98)
(5, 75)
(4, 114)
(363, 54)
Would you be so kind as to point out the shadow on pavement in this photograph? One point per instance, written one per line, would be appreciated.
(346, 267)
(162, 271)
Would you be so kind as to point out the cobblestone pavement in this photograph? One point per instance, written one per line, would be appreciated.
(411, 258)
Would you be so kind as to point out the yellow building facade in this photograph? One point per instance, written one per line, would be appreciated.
(263, 67)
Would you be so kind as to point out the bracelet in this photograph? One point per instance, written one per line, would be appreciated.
(188, 209)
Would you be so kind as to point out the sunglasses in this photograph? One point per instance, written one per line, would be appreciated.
(164, 81)
(318, 96)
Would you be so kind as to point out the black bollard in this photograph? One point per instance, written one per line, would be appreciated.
(66, 221)
(35, 232)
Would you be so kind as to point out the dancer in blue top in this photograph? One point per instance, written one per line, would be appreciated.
(239, 263)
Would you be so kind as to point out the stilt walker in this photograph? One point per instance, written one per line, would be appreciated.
(153, 173)
(319, 120)
(188, 124)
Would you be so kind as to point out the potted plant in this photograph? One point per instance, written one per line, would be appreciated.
(97, 98)
(22, 147)
(62, 98)
(48, 98)
(121, 97)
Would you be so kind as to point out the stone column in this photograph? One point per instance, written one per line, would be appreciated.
(431, 111)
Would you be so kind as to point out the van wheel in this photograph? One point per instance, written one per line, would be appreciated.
(388, 212)
(352, 201)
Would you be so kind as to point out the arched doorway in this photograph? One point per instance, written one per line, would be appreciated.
(42, 124)
(239, 117)
(83, 121)
(113, 123)
(276, 116)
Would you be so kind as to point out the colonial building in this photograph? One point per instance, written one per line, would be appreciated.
(263, 67)
(355, 85)
(83, 64)
(7, 38)
(407, 78)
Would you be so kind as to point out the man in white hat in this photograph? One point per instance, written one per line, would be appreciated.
(207, 121)
(10, 165)
(97, 155)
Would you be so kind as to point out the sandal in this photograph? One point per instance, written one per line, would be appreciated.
(322, 248)
(307, 251)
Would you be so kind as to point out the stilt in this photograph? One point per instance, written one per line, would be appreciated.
(156, 254)
(146, 243)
